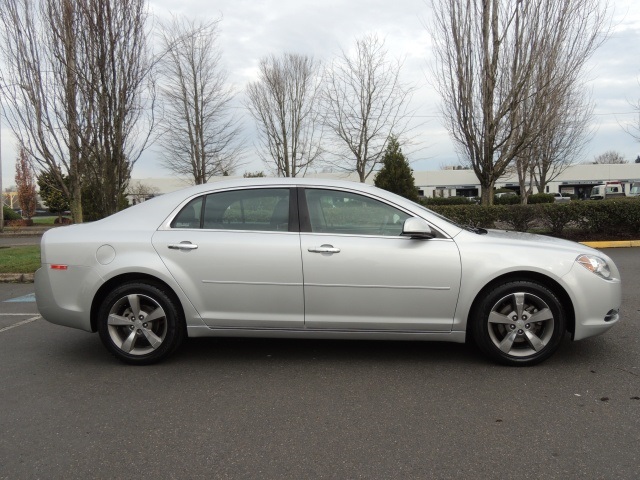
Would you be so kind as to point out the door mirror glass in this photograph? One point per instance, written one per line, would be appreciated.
(415, 227)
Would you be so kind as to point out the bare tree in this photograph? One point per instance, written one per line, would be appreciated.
(74, 79)
(40, 79)
(633, 129)
(364, 101)
(610, 157)
(499, 66)
(118, 92)
(200, 134)
(284, 104)
(564, 138)
(560, 141)
(141, 191)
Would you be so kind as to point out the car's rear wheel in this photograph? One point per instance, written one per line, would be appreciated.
(519, 323)
(140, 323)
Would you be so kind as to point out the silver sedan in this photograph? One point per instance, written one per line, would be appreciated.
(317, 259)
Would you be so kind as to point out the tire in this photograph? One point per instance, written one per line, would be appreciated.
(140, 323)
(519, 323)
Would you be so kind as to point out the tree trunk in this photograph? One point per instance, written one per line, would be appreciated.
(487, 193)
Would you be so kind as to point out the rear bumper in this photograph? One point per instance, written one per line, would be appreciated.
(59, 298)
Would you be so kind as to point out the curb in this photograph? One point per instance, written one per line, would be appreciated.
(16, 277)
(613, 244)
(24, 231)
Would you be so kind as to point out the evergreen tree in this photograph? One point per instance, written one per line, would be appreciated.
(396, 175)
(51, 194)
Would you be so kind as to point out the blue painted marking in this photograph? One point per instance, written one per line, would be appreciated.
(27, 298)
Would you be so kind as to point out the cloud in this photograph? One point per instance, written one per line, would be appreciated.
(251, 30)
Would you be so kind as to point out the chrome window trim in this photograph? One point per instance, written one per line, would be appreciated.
(166, 224)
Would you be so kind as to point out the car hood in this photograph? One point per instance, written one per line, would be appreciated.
(530, 240)
(501, 252)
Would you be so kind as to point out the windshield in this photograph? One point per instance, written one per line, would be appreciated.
(464, 227)
(441, 217)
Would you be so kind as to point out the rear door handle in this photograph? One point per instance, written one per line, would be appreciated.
(324, 249)
(183, 246)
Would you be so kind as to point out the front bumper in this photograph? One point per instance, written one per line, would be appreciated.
(596, 301)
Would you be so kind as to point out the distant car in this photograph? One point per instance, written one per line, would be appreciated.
(505, 194)
(561, 197)
(303, 258)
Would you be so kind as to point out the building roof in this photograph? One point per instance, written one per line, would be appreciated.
(448, 178)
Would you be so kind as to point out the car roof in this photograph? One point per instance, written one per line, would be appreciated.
(150, 214)
(155, 210)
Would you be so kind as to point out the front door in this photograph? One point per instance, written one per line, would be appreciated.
(360, 274)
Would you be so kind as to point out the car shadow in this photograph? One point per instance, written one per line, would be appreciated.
(253, 350)
(89, 351)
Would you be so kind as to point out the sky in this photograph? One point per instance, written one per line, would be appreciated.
(253, 29)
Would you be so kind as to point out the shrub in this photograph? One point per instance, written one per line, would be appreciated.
(507, 200)
(9, 214)
(537, 198)
(517, 217)
(594, 216)
(556, 216)
(612, 219)
(471, 215)
(431, 201)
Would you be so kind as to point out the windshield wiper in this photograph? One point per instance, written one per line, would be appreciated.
(478, 230)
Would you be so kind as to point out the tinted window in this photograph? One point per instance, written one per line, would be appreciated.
(332, 211)
(189, 216)
(260, 209)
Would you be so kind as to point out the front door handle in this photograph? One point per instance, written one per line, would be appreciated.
(183, 246)
(324, 249)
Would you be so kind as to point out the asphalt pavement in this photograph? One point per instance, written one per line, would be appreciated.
(16, 240)
(252, 409)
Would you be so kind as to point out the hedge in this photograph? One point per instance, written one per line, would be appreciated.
(432, 201)
(588, 220)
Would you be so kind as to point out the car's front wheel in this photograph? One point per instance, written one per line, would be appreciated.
(140, 323)
(519, 323)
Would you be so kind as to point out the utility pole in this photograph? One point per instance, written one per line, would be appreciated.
(1, 193)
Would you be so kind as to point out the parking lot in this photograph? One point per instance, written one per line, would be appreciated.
(249, 409)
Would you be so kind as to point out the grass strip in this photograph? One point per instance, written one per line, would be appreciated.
(43, 220)
(22, 259)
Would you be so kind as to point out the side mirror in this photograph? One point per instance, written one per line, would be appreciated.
(418, 228)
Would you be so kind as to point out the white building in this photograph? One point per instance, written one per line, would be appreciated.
(575, 180)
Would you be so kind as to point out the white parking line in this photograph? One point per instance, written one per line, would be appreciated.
(23, 322)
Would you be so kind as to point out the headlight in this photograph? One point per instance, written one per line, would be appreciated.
(596, 265)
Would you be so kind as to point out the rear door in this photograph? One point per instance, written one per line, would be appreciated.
(236, 255)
